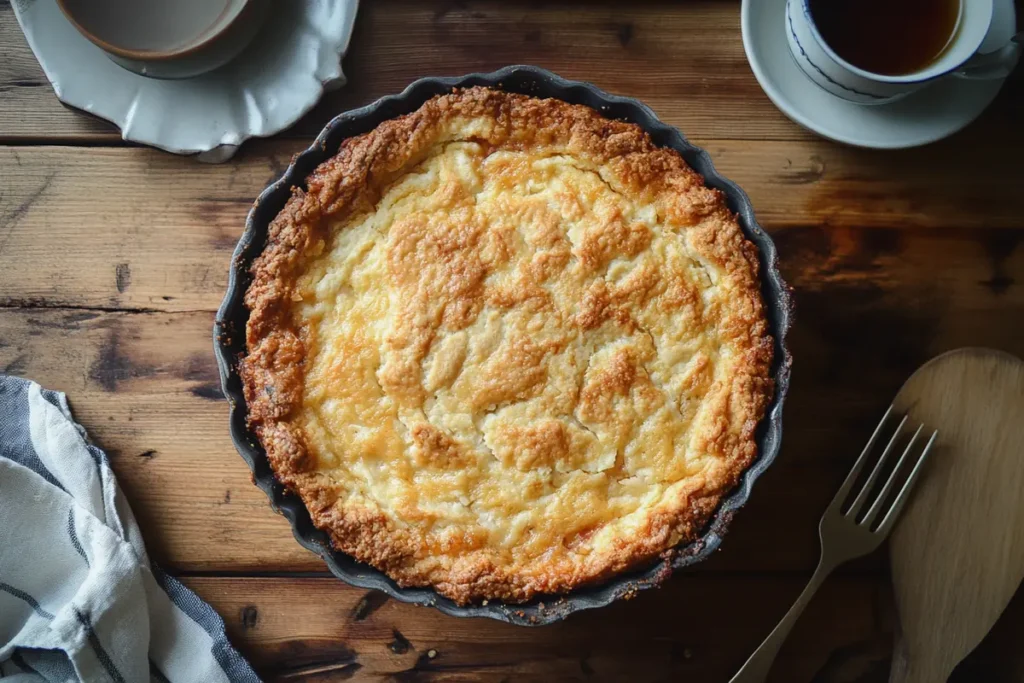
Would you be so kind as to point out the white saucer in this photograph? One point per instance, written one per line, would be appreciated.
(928, 115)
(294, 58)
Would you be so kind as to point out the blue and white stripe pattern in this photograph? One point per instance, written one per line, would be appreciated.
(79, 599)
(823, 67)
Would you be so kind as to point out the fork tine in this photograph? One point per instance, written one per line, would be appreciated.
(858, 502)
(877, 505)
(897, 506)
(844, 490)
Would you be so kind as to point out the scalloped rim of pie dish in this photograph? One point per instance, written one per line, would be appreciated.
(505, 347)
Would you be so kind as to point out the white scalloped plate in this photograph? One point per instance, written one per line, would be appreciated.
(279, 77)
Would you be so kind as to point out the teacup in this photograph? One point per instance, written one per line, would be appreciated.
(838, 76)
(163, 39)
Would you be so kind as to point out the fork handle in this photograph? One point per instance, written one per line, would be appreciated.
(760, 663)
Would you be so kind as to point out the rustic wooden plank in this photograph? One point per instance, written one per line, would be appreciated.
(145, 387)
(634, 50)
(695, 628)
(685, 60)
(149, 230)
(144, 384)
(28, 107)
(133, 229)
(145, 230)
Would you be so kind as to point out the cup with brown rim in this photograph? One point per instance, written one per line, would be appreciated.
(164, 39)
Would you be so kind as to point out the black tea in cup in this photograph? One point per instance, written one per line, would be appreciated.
(888, 37)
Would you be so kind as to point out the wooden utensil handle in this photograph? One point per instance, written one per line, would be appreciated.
(904, 674)
(904, 671)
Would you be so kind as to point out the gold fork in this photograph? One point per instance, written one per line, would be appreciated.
(848, 532)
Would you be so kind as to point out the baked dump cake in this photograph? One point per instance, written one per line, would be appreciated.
(503, 346)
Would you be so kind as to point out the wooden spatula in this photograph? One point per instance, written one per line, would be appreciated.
(958, 551)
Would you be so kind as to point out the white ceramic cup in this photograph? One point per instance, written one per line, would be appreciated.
(168, 38)
(960, 59)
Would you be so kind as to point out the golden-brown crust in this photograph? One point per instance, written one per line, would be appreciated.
(399, 376)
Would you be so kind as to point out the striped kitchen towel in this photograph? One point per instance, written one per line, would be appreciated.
(79, 599)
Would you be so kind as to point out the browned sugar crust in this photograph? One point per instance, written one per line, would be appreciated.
(503, 346)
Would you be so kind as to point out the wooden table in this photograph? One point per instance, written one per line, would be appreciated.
(114, 257)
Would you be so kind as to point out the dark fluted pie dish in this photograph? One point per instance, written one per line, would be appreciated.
(637, 561)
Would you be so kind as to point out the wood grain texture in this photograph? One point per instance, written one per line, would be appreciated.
(958, 551)
(684, 59)
(28, 107)
(145, 386)
(697, 628)
(148, 230)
